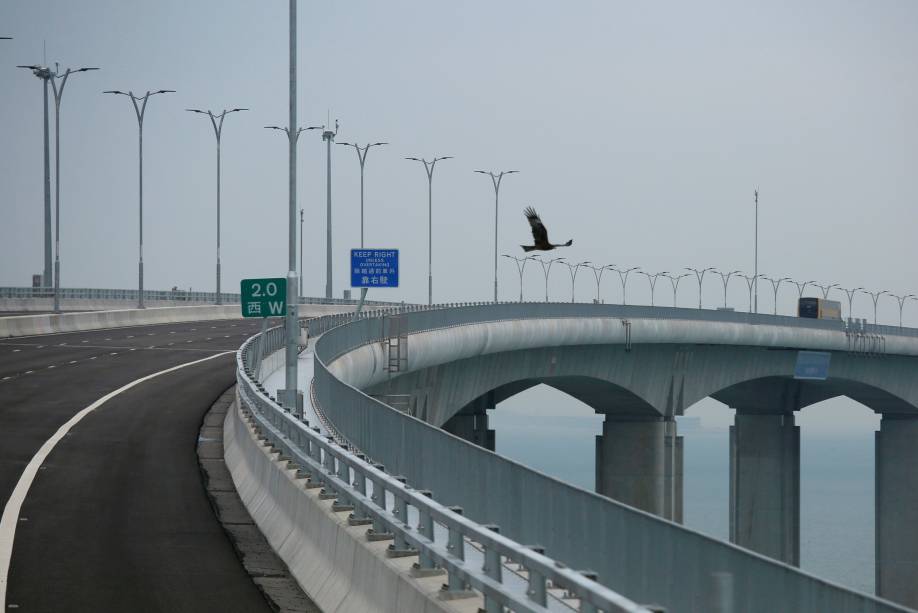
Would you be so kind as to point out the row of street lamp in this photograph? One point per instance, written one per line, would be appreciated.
(699, 274)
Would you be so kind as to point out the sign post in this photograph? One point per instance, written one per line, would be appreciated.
(373, 268)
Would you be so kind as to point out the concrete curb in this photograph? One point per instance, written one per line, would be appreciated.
(334, 563)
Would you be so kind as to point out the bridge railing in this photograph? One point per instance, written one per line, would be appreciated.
(362, 485)
(634, 553)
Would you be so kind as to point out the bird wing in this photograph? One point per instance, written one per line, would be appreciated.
(539, 233)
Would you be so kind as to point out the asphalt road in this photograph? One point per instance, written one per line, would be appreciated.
(117, 518)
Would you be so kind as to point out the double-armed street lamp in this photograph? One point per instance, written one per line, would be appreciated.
(217, 123)
(597, 274)
(801, 287)
(901, 300)
(429, 169)
(699, 274)
(851, 293)
(750, 282)
(775, 285)
(674, 281)
(652, 280)
(825, 289)
(623, 277)
(495, 180)
(520, 267)
(876, 297)
(53, 77)
(362, 158)
(140, 108)
(546, 270)
(725, 279)
(573, 269)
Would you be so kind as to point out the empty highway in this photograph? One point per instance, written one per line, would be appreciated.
(112, 514)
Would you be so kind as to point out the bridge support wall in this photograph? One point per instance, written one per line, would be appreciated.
(631, 461)
(765, 485)
(897, 509)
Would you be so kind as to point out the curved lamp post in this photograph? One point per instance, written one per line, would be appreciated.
(597, 274)
(801, 287)
(851, 293)
(546, 270)
(140, 108)
(520, 267)
(901, 300)
(429, 169)
(750, 281)
(217, 122)
(362, 158)
(725, 279)
(495, 180)
(573, 269)
(699, 274)
(674, 281)
(775, 286)
(876, 297)
(51, 76)
(652, 280)
(623, 276)
(825, 288)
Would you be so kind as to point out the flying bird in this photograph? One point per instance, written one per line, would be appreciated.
(539, 233)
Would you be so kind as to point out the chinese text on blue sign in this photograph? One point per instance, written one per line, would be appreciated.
(374, 267)
(264, 297)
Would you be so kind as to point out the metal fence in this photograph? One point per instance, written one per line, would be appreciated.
(633, 553)
(131, 295)
(442, 535)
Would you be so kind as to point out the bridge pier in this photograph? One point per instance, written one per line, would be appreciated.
(639, 463)
(471, 423)
(896, 486)
(765, 484)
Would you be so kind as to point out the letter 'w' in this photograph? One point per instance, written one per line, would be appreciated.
(275, 308)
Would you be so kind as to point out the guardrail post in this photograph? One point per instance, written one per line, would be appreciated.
(456, 547)
(492, 568)
(537, 591)
(379, 531)
(400, 547)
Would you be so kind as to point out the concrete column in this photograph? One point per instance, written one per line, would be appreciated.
(472, 427)
(896, 486)
(765, 485)
(672, 485)
(631, 461)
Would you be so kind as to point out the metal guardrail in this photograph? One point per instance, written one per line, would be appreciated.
(634, 553)
(345, 475)
(81, 293)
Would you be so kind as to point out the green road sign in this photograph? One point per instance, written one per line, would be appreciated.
(264, 297)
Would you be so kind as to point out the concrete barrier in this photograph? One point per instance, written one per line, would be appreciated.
(332, 561)
(30, 325)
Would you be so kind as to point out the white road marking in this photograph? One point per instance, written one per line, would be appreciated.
(5, 378)
(28, 372)
(93, 357)
(130, 336)
(115, 353)
(14, 505)
(16, 350)
(133, 349)
(73, 361)
(85, 341)
(52, 366)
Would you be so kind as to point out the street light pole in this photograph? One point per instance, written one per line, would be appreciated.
(750, 281)
(546, 270)
(876, 297)
(725, 279)
(755, 271)
(495, 180)
(597, 274)
(674, 281)
(851, 293)
(699, 274)
(328, 135)
(429, 169)
(623, 276)
(824, 288)
(217, 122)
(301, 252)
(573, 269)
(140, 110)
(362, 158)
(775, 285)
(652, 280)
(44, 74)
(901, 300)
(520, 267)
(801, 287)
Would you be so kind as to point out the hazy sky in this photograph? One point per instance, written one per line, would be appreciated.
(640, 130)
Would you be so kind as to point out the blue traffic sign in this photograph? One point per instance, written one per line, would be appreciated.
(812, 365)
(374, 267)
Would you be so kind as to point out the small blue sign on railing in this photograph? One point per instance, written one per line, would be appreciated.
(374, 267)
(812, 365)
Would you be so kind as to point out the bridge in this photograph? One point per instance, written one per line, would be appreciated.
(390, 387)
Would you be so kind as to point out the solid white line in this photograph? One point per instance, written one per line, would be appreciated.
(11, 511)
